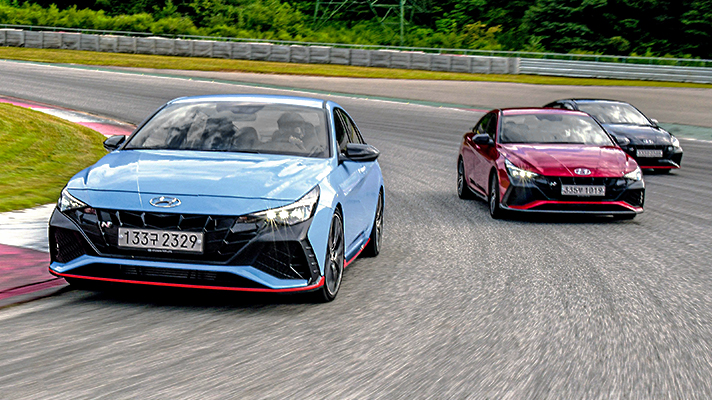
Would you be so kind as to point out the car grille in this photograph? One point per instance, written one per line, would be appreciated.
(285, 260)
(668, 154)
(662, 147)
(549, 189)
(552, 189)
(223, 236)
(227, 241)
(66, 245)
(635, 198)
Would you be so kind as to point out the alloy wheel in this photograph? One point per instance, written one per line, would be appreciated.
(333, 271)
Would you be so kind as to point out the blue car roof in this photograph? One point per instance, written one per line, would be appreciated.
(272, 99)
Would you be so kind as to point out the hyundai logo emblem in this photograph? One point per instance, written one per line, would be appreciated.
(165, 202)
(582, 171)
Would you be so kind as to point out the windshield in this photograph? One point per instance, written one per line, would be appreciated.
(614, 113)
(236, 127)
(553, 128)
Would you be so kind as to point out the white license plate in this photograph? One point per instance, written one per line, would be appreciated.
(650, 153)
(152, 239)
(583, 190)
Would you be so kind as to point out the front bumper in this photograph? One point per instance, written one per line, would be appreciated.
(671, 159)
(543, 194)
(253, 257)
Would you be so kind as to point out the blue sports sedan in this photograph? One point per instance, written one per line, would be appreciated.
(234, 192)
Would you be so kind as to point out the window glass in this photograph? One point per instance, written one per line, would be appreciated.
(236, 127)
(614, 113)
(481, 126)
(354, 134)
(342, 138)
(491, 127)
(553, 128)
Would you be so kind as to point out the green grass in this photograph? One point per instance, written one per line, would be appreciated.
(214, 64)
(39, 153)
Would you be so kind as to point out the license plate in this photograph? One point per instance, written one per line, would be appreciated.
(583, 190)
(650, 153)
(152, 239)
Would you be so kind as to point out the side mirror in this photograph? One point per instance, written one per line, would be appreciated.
(113, 142)
(655, 122)
(483, 139)
(359, 152)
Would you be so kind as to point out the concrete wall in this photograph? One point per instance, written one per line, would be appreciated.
(347, 56)
(252, 51)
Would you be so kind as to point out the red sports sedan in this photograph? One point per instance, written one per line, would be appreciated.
(548, 160)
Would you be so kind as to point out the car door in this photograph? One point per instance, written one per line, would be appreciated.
(357, 184)
(483, 155)
(469, 156)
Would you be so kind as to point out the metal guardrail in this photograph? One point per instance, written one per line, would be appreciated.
(356, 55)
(587, 69)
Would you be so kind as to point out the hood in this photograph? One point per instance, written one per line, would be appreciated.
(563, 159)
(640, 134)
(236, 176)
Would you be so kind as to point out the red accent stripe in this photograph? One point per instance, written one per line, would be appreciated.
(542, 202)
(346, 264)
(181, 285)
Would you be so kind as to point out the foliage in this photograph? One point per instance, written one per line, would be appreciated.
(682, 28)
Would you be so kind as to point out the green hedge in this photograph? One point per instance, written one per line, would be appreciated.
(681, 28)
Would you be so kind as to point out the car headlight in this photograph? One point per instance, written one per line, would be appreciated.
(519, 173)
(299, 211)
(674, 141)
(635, 174)
(68, 202)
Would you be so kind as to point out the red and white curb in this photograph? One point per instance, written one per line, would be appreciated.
(105, 126)
(24, 245)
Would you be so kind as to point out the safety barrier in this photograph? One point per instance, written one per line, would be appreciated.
(259, 51)
(320, 54)
(589, 69)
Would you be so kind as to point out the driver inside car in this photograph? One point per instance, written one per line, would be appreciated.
(295, 130)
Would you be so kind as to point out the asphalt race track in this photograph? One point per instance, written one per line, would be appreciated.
(456, 306)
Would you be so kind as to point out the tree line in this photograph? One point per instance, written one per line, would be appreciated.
(679, 28)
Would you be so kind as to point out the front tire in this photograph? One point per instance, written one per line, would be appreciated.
(334, 266)
(463, 191)
(495, 208)
(374, 243)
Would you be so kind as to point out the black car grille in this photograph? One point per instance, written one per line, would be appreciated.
(668, 154)
(66, 245)
(285, 260)
(164, 275)
(663, 147)
(552, 188)
(635, 198)
(227, 241)
(223, 236)
(549, 189)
